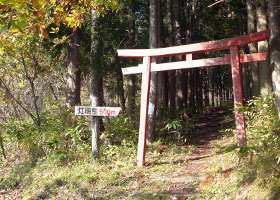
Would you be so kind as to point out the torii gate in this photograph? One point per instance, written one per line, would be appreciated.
(234, 59)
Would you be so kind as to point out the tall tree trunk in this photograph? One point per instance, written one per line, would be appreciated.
(182, 21)
(251, 28)
(177, 41)
(264, 67)
(171, 74)
(274, 25)
(245, 81)
(95, 82)
(211, 86)
(172, 94)
(131, 90)
(206, 86)
(160, 78)
(120, 88)
(198, 81)
(153, 87)
(131, 79)
(179, 89)
(185, 88)
(73, 76)
(166, 86)
(192, 87)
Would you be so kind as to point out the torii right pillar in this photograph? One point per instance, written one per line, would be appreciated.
(238, 96)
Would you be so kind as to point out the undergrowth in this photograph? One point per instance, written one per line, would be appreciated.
(57, 162)
(251, 172)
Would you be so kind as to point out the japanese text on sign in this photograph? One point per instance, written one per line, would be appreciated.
(97, 111)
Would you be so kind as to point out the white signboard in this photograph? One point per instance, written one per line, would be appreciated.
(97, 111)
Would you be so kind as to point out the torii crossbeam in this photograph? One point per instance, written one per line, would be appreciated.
(234, 59)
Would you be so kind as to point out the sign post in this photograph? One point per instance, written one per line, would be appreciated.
(96, 112)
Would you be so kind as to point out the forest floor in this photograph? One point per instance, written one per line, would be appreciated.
(201, 169)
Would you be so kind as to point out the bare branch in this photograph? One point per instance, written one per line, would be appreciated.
(31, 81)
(213, 4)
(18, 101)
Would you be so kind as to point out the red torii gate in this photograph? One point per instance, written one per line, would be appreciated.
(234, 59)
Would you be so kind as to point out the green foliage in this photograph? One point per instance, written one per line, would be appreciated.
(176, 130)
(22, 18)
(263, 125)
(260, 158)
(120, 130)
(263, 134)
(119, 139)
(174, 124)
(60, 138)
(63, 141)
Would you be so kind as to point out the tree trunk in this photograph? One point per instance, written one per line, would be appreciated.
(172, 94)
(245, 81)
(73, 76)
(131, 79)
(171, 74)
(95, 82)
(191, 84)
(206, 86)
(264, 68)
(211, 87)
(153, 86)
(185, 88)
(274, 25)
(177, 41)
(251, 28)
(120, 85)
(166, 86)
(179, 91)
(198, 86)
(131, 90)
(160, 75)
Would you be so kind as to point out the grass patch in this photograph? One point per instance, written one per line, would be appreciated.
(115, 176)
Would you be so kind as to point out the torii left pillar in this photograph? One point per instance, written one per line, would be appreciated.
(145, 95)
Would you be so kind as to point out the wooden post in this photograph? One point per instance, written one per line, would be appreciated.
(145, 93)
(237, 96)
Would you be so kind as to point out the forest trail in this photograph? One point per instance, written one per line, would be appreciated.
(185, 182)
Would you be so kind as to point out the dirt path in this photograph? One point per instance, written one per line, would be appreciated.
(186, 181)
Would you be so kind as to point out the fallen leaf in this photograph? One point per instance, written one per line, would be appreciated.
(227, 173)
(209, 179)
